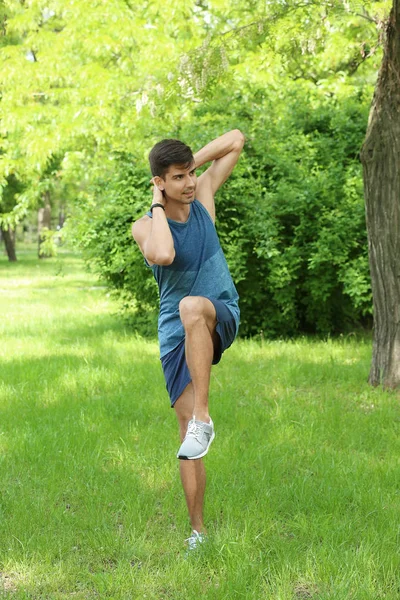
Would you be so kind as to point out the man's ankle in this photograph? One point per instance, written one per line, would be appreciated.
(200, 528)
(204, 417)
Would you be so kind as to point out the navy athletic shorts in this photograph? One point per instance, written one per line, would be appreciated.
(176, 371)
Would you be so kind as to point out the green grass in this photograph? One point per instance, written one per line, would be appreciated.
(303, 477)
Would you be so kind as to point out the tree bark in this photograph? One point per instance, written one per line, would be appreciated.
(44, 220)
(380, 156)
(9, 242)
(61, 216)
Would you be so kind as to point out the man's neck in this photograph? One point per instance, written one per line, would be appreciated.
(177, 211)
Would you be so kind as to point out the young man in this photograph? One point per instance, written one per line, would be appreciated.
(199, 313)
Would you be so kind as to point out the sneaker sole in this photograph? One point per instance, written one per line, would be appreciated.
(181, 457)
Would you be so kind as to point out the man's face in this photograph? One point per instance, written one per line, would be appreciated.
(179, 184)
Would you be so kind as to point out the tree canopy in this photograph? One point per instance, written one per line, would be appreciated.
(90, 88)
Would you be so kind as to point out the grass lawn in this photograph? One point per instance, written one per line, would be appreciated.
(303, 494)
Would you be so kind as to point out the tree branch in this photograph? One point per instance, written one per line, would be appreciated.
(367, 17)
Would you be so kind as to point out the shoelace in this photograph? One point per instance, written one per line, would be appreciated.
(193, 430)
(195, 539)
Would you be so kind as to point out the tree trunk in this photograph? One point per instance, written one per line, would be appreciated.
(9, 241)
(44, 220)
(61, 217)
(380, 156)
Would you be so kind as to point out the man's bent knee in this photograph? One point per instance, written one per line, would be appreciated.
(195, 309)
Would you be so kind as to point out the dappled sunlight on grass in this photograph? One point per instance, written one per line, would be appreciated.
(301, 477)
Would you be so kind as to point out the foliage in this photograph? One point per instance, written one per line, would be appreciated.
(102, 229)
(290, 218)
(296, 239)
(308, 229)
(50, 241)
(85, 91)
(77, 79)
(87, 78)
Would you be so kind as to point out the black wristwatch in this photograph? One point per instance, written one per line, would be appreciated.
(155, 206)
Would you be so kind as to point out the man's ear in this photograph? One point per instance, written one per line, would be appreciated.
(160, 183)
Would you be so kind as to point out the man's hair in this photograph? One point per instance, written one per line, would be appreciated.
(169, 152)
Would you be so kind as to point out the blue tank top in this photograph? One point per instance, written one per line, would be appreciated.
(199, 269)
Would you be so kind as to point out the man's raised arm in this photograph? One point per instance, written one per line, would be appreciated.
(224, 151)
(153, 236)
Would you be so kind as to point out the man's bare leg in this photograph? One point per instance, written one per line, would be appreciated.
(193, 473)
(198, 317)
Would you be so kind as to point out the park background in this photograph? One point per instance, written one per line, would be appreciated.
(305, 504)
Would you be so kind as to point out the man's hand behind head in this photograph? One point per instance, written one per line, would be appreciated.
(158, 196)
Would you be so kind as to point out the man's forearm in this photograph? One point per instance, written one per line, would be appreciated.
(228, 142)
(160, 244)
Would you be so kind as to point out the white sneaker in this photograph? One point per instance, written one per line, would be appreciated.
(195, 540)
(197, 441)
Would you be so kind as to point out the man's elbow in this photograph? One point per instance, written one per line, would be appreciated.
(166, 260)
(163, 259)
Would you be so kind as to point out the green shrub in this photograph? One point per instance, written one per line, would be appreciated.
(102, 229)
(290, 218)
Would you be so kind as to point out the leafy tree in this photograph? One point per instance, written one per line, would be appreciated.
(99, 85)
(77, 79)
(291, 218)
